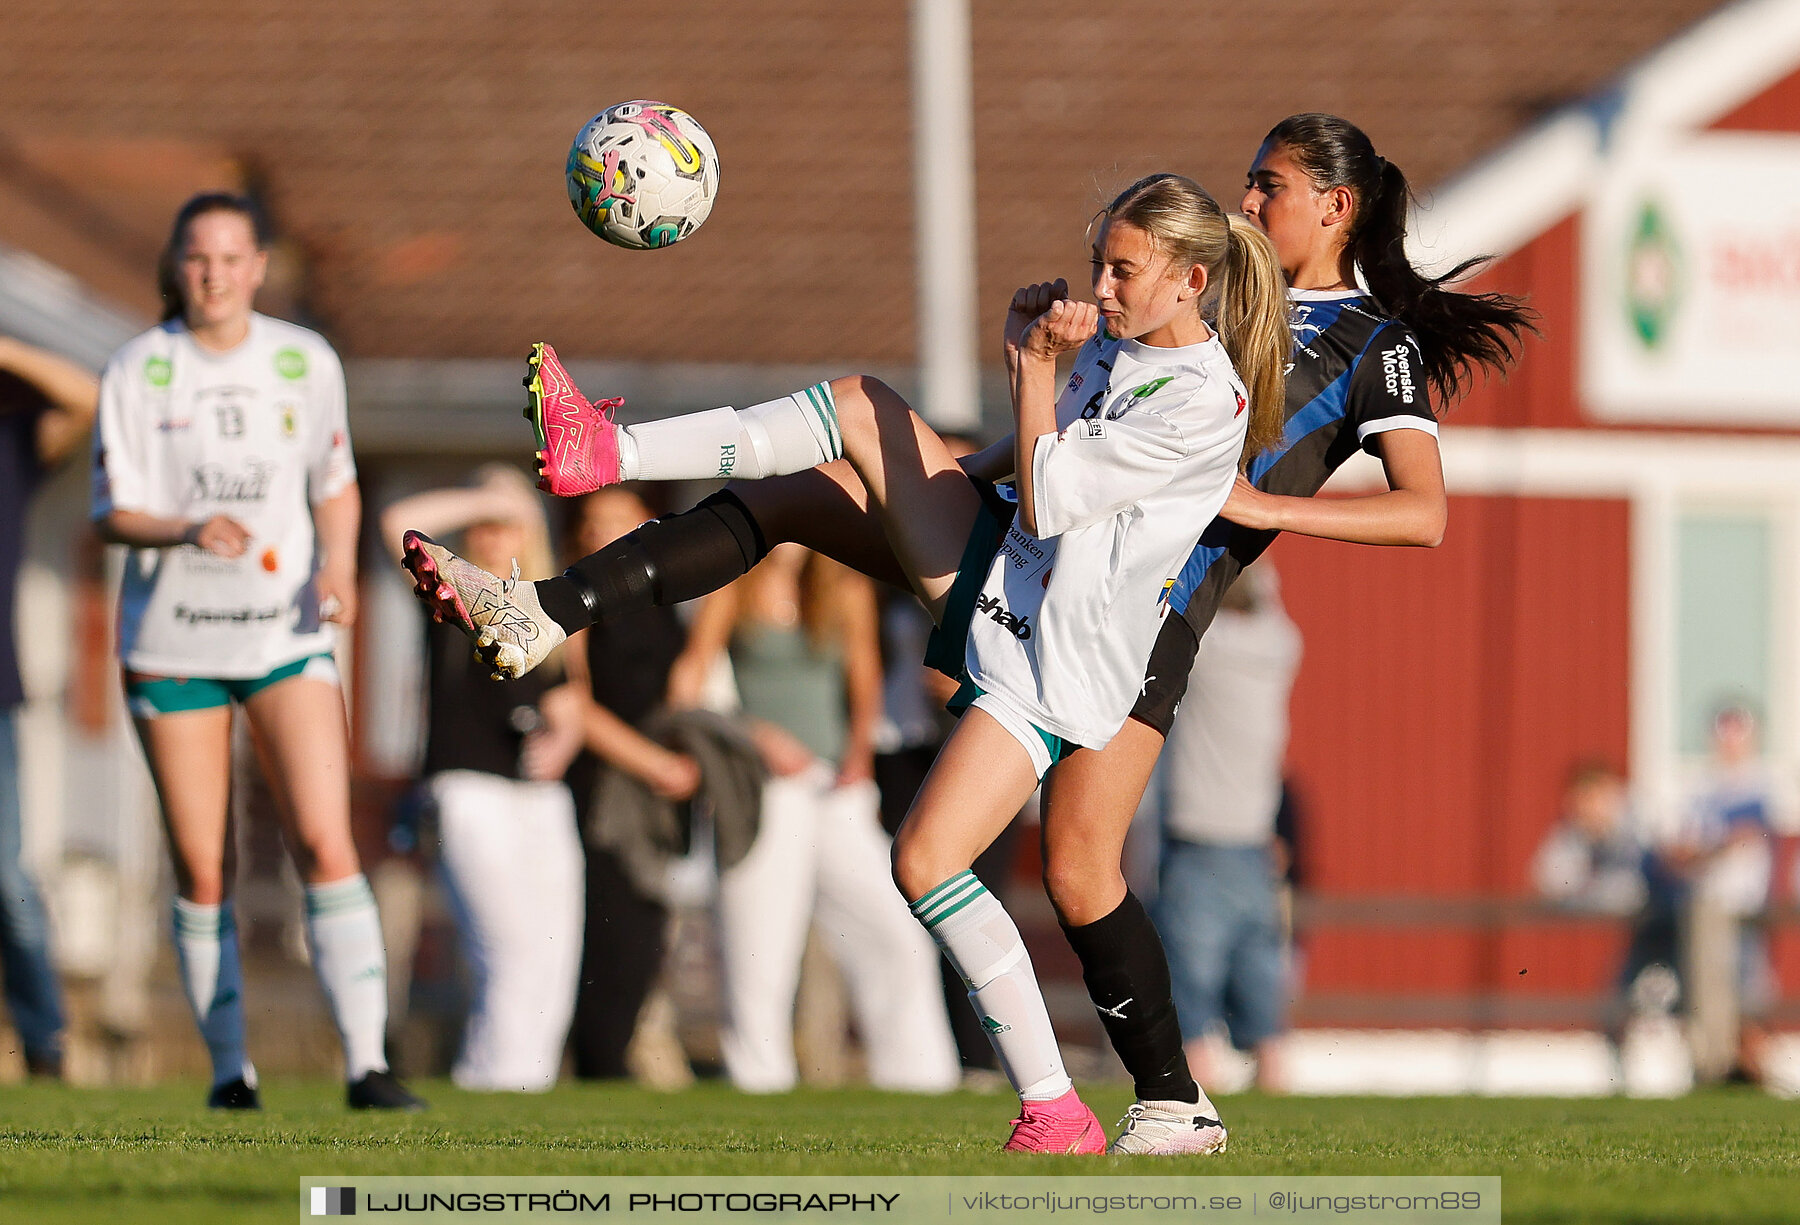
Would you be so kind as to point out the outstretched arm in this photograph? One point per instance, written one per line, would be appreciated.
(443, 512)
(1412, 511)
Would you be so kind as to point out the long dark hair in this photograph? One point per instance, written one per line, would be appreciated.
(1456, 331)
(167, 283)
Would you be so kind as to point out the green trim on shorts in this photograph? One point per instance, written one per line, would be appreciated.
(173, 695)
(965, 696)
(949, 642)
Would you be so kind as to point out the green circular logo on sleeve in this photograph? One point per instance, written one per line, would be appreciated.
(290, 363)
(158, 371)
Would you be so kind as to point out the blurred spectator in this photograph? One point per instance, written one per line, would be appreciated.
(46, 407)
(1725, 848)
(801, 631)
(495, 755)
(1218, 907)
(621, 669)
(1593, 861)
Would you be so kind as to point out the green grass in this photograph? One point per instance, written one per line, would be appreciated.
(128, 1155)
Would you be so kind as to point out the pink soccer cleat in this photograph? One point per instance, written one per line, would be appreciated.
(577, 442)
(1064, 1125)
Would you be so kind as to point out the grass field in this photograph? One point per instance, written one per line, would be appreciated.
(154, 1155)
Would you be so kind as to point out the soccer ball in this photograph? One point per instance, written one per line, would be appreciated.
(642, 174)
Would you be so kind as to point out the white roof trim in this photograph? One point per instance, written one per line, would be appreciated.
(1510, 197)
(43, 305)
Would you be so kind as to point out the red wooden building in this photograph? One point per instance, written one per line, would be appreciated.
(1622, 543)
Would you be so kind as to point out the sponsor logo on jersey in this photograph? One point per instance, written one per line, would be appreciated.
(174, 425)
(1093, 429)
(1145, 390)
(1300, 323)
(290, 363)
(1021, 549)
(227, 616)
(1242, 405)
(290, 419)
(1396, 367)
(213, 483)
(727, 458)
(1075, 381)
(158, 372)
(991, 607)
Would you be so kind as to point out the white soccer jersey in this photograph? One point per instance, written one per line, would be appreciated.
(1147, 448)
(258, 434)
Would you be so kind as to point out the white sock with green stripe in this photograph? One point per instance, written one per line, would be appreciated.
(206, 956)
(984, 945)
(345, 933)
(792, 434)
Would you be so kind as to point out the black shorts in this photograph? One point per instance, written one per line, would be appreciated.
(1171, 659)
(1166, 675)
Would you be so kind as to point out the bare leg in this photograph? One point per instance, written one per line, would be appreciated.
(826, 509)
(302, 741)
(189, 754)
(1089, 801)
(924, 498)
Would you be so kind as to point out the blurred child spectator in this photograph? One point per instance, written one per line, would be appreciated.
(802, 636)
(1218, 906)
(46, 407)
(495, 755)
(1725, 848)
(1593, 861)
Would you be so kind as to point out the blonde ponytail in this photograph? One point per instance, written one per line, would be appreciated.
(1245, 298)
(1252, 321)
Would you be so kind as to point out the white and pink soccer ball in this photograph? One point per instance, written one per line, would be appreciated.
(643, 174)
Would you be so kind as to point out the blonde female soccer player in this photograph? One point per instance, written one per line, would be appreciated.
(1055, 594)
(222, 461)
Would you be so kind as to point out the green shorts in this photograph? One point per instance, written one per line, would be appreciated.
(150, 696)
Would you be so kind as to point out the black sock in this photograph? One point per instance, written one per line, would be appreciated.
(666, 561)
(1127, 977)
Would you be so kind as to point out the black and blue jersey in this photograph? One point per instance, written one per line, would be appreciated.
(1355, 374)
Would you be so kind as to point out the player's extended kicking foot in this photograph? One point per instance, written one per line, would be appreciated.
(1168, 1128)
(1064, 1125)
(511, 631)
(577, 442)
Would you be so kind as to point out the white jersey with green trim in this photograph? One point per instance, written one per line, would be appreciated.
(258, 434)
(1147, 448)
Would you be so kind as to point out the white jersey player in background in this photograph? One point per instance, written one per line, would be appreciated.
(222, 459)
(1053, 599)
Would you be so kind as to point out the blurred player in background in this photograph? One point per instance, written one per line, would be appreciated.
(222, 460)
(46, 407)
(495, 755)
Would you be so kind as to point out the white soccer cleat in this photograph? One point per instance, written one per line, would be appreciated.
(1154, 1130)
(511, 631)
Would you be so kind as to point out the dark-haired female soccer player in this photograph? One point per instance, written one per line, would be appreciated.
(1334, 210)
